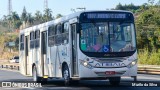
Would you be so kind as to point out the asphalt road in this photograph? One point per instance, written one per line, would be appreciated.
(153, 82)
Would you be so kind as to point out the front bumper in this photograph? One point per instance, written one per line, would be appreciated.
(101, 72)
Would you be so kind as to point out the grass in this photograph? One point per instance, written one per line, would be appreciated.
(149, 58)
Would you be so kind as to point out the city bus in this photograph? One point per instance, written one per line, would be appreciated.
(86, 45)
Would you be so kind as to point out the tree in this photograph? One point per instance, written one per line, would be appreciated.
(58, 16)
(24, 15)
(144, 6)
(30, 19)
(119, 7)
(38, 17)
(130, 7)
(151, 2)
(148, 29)
(47, 15)
(15, 16)
(14, 20)
(4, 21)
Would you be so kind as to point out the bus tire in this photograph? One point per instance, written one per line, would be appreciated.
(44, 81)
(114, 81)
(74, 82)
(135, 78)
(66, 75)
(36, 78)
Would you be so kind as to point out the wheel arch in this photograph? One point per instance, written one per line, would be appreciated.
(33, 65)
(63, 65)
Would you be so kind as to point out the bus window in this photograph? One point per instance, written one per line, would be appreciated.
(51, 36)
(58, 38)
(122, 38)
(32, 40)
(65, 33)
(22, 42)
(37, 36)
(94, 37)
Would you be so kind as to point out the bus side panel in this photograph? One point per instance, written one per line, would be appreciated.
(39, 63)
(52, 58)
(30, 60)
(48, 57)
(22, 62)
(37, 59)
(58, 61)
(57, 55)
(64, 53)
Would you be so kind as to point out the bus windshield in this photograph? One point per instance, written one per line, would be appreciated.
(107, 37)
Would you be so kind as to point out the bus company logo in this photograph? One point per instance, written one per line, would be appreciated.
(6, 84)
(110, 64)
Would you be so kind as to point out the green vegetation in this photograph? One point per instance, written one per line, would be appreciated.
(147, 19)
(14, 21)
(149, 58)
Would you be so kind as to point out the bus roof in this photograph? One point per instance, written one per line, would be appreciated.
(67, 17)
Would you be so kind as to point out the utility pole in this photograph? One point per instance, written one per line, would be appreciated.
(45, 4)
(9, 12)
(9, 7)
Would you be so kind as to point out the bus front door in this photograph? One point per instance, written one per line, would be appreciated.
(74, 50)
(44, 61)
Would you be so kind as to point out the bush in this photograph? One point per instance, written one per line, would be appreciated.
(149, 58)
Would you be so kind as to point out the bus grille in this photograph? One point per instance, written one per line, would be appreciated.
(109, 60)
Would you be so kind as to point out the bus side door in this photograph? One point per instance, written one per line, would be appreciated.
(44, 61)
(73, 40)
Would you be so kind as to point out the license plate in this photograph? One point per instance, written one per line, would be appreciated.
(110, 72)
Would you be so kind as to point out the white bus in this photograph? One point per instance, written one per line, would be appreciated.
(84, 45)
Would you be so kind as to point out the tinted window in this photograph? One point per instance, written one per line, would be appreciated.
(22, 42)
(37, 36)
(51, 36)
(51, 30)
(65, 34)
(58, 38)
(32, 40)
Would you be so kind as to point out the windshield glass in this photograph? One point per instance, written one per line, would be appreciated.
(107, 37)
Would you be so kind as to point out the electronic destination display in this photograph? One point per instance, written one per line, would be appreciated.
(106, 16)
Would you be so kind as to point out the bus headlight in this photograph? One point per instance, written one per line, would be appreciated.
(132, 64)
(86, 64)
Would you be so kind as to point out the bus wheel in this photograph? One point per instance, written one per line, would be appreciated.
(44, 81)
(115, 81)
(66, 75)
(74, 82)
(35, 76)
(135, 78)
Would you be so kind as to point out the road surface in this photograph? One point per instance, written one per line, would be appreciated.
(126, 83)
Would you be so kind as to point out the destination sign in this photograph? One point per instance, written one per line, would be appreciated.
(105, 16)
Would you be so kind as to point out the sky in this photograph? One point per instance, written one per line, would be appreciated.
(62, 6)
